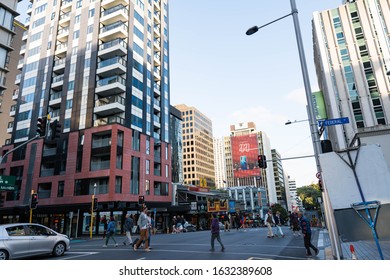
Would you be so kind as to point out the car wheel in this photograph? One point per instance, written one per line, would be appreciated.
(59, 249)
(4, 255)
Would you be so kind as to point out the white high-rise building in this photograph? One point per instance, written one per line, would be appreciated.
(352, 57)
(219, 163)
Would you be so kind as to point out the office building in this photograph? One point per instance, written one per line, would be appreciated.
(198, 154)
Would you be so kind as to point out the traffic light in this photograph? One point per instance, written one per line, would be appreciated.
(262, 160)
(41, 126)
(95, 204)
(1, 200)
(55, 128)
(34, 201)
(141, 199)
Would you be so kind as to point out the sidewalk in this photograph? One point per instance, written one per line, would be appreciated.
(364, 249)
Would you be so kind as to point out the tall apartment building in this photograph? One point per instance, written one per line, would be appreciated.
(352, 57)
(280, 183)
(242, 147)
(219, 163)
(10, 41)
(101, 69)
(198, 154)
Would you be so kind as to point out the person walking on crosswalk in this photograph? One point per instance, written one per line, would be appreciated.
(306, 231)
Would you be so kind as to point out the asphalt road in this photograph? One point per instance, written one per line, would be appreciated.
(240, 245)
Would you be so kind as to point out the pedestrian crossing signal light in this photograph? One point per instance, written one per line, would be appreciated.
(34, 201)
(41, 126)
(141, 199)
(262, 160)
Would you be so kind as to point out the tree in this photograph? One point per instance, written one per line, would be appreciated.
(309, 196)
(283, 212)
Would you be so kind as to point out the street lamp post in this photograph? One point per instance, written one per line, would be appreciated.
(335, 242)
(291, 122)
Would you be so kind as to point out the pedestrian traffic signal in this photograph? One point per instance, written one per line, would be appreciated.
(41, 126)
(34, 201)
(262, 160)
(141, 199)
(1, 200)
(55, 128)
(95, 204)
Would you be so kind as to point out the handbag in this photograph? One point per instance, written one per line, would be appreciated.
(134, 229)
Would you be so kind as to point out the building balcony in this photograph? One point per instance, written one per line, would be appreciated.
(57, 82)
(12, 111)
(10, 127)
(61, 49)
(117, 47)
(106, 4)
(17, 79)
(110, 86)
(55, 99)
(156, 5)
(109, 106)
(15, 94)
(20, 64)
(66, 6)
(63, 34)
(112, 66)
(64, 19)
(114, 14)
(59, 66)
(113, 31)
(157, 59)
(22, 49)
(109, 120)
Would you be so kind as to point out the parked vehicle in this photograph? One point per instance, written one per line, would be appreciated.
(25, 240)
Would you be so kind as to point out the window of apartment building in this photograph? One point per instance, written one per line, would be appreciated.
(118, 184)
(147, 187)
(135, 174)
(6, 19)
(135, 140)
(60, 189)
(44, 190)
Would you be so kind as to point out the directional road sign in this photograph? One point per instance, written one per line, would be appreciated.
(330, 122)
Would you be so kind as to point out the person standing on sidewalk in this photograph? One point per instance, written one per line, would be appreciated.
(306, 231)
(111, 232)
(269, 221)
(129, 223)
(143, 224)
(215, 233)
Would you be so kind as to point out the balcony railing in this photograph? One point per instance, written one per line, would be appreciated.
(114, 9)
(110, 100)
(112, 43)
(111, 80)
(118, 24)
(111, 61)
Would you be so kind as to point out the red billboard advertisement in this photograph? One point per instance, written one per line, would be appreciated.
(244, 152)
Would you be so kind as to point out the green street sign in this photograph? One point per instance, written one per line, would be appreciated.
(7, 183)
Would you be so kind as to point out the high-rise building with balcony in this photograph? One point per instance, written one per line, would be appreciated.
(10, 38)
(101, 69)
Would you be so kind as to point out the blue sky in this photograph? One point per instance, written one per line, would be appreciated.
(232, 77)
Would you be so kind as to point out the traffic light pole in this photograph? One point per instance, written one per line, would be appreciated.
(92, 206)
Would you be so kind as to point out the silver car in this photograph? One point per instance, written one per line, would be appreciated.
(24, 240)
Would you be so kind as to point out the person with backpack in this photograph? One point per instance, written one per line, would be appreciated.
(111, 232)
(215, 232)
(269, 221)
(128, 227)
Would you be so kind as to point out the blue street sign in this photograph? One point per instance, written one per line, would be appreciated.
(333, 122)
